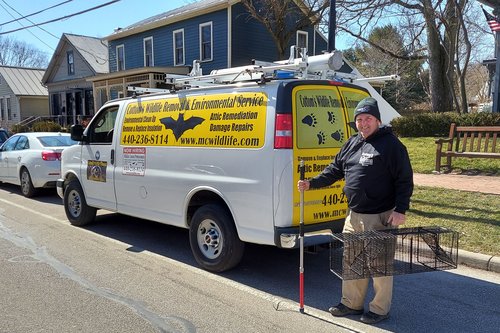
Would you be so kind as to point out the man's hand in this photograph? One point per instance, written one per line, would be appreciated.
(396, 219)
(303, 185)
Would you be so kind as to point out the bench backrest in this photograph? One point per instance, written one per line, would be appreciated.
(475, 139)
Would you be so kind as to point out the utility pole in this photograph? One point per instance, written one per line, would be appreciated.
(332, 26)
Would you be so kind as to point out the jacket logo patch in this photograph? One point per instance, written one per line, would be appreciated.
(366, 159)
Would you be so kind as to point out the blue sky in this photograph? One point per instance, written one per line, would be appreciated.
(97, 23)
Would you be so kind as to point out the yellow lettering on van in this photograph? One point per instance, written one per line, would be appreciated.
(219, 120)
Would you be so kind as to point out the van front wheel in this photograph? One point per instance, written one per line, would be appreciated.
(75, 205)
(214, 240)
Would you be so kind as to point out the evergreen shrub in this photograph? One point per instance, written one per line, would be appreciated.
(46, 126)
(19, 128)
(438, 124)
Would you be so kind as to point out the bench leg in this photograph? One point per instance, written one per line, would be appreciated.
(439, 154)
(448, 163)
(437, 167)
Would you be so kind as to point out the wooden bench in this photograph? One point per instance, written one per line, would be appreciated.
(468, 141)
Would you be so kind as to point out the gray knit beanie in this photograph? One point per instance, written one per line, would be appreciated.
(367, 105)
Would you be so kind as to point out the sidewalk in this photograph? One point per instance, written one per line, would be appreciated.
(484, 184)
(473, 183)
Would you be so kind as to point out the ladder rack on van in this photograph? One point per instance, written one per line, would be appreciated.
(325, 67)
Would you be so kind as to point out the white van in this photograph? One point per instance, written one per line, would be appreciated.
(220, 161)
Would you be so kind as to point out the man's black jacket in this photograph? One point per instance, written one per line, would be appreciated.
(377, 171)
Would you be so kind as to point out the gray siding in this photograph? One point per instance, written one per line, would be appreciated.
(82, 69)
(4, 87)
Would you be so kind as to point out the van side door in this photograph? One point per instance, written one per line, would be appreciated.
(98, 159)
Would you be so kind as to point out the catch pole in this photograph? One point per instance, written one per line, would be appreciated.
(301, 240)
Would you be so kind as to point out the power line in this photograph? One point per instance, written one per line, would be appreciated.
(32, 14)
(61, 18)
(23, 26)
(97, 58)
(12, 8)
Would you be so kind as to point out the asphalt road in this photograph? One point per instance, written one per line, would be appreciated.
(128, 275)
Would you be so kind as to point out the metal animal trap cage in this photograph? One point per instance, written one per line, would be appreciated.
(393, 252)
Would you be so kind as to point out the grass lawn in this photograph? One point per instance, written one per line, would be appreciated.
(475, 216)
(422, 153)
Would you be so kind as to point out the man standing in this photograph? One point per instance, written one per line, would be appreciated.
(378, 186)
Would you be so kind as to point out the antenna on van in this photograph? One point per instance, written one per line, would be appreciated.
(196, 71)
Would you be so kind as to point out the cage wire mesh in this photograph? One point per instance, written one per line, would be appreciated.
(393, 252)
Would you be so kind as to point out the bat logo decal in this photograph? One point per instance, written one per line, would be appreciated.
(181, 125)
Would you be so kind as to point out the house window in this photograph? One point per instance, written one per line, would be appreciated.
(71, 63)
(179, 47)
(148, 52)
(301, 39)
(120, 58)
(206, 41)
(2, 116)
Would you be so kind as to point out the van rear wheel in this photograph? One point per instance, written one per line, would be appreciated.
(75, 205)
(214, 240)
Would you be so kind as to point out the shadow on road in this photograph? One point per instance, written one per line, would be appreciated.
(45, 195)
(424, 302)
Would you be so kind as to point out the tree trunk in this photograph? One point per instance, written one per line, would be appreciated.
(440, 87)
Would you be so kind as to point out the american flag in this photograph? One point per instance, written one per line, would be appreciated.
(492, 21)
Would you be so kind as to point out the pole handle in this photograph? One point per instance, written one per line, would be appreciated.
(301, 241)
(302, 170)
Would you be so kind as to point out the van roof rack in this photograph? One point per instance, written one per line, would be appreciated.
(325, 66)
(259, 71)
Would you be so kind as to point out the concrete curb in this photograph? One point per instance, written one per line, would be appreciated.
(478, 260)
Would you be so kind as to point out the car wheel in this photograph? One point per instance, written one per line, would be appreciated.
(27, 188)
(213, 238)
(75, 205)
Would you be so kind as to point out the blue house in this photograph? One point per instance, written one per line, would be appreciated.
(218, 33)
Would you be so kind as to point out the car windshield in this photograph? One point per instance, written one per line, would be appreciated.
(56, 141)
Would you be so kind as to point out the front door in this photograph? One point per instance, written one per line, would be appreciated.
(98, 165)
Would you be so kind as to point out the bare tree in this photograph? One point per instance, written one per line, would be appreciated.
(372, 62)
(282, 18)
(20, 54)
(477, 76)
(436, 30)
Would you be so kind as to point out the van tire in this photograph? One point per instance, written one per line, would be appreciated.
(213, 238)
(75, 205)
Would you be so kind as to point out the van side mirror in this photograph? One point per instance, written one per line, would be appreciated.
(76, 132)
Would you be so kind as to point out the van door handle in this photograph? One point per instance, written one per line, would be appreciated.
(112, 156)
